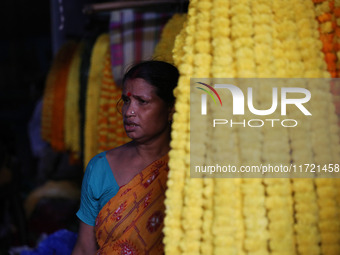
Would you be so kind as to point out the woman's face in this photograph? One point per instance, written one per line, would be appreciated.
(146, 116)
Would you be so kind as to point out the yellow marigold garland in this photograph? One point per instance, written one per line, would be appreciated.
(72, 112)
(92, 97)
(163, 50)
(325, 151)
(244, 21)
(193, 202)
(227, 198)
(290, 58)
(304, 194)
(180, 145)
(329, 224)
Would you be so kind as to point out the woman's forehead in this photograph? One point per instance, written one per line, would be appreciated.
(138, 85)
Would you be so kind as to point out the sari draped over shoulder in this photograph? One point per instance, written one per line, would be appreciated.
(132, 221)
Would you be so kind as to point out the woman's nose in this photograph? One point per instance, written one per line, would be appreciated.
(130, 111)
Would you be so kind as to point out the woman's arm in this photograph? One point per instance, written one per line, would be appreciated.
(86, 242)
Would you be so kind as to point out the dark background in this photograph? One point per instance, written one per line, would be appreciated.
(31, 34)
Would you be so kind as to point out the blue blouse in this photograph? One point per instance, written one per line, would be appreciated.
(98, 187)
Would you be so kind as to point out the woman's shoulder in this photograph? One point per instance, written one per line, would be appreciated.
(98, 167)
(98, 173)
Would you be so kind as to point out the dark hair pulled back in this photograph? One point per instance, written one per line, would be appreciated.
(162, 75)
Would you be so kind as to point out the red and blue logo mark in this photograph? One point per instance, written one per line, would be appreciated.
(212, 89)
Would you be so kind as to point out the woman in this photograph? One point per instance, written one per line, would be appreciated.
(122, 207)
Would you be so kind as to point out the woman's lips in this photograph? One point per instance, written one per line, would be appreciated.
(130, 126)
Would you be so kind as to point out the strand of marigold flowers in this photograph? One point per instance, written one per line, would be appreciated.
(111, 131)
(72, 112)
(48, 98)
(304, 195)
(193, 213)
(279, 202)
(227, 229)
(334, 127)
(206, 245)
(328, 216)
(253, 189)
(337, 35)
(163, 50)
(243, 45)
(329, 212)
(179, 160)
(92, 96)
(336, 86)
(208, 216)
(227, 234)
(174, 199)
(326, 188)
(58, 110)
(334, 130)
(59, 62)
(245, 15)
(323, 155)
(327, 25)
(203, 55)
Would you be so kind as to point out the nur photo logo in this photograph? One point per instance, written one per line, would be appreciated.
(278, 98)
(204, 97)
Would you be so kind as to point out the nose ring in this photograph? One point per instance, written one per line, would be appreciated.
(132, 112)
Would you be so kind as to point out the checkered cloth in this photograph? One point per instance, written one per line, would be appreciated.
(133, 37)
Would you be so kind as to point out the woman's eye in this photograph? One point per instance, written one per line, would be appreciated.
(141, 101)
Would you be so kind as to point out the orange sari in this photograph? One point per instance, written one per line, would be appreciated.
(132, 221)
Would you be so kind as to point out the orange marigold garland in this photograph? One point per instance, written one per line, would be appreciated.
(54, 97)
(111, 131)
(337, 36)
(48, 97)
(327, 26)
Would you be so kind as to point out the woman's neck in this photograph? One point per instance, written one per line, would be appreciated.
(152, 150)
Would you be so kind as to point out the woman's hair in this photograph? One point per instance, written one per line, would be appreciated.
(162, 75)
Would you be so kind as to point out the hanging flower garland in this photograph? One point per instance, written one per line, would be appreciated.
(193, 197)
(48, 98)
(304, 194)
(92, 97)
(111, 131)
(328, 223)
(227, 199)
(58, 120)
(180, 145)
(163, 50)
(72, 112)
(337, 35)
(54, 97)
(326, 188)
(282, 211)
(325, 16)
